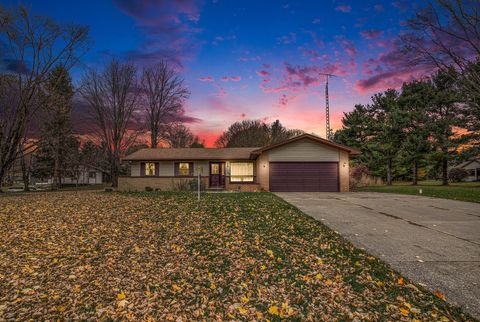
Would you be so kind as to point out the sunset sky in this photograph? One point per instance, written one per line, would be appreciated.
(252, 59)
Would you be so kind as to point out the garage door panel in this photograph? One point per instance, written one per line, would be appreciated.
(304, 176)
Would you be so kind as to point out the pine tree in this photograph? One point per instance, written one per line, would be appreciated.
(442, 113)
(414, 101)
(57, 131)
(388, 121)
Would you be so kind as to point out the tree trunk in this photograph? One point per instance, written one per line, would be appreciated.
(56, 175)
(389, 172)
(25, 174)
(2, 175)
(114, 172)
(445, 171)
(415, 172)
(153, 138)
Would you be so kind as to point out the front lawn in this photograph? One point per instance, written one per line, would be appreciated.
(165, 256)
(464, 191)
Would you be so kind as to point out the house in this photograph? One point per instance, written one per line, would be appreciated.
(473, 168)
(304, 163)
(83, 175)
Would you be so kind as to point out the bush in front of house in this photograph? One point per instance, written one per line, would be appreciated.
(148, 188)
(193, 184)
(457, 174)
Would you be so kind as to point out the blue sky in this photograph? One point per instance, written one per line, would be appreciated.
(251, 59)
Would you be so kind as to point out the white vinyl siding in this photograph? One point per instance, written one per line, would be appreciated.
(135, 170)
(165, 169)
(304, 151)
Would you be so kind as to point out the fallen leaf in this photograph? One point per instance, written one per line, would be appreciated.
(273, 310)
(120, 296)
(439, 295)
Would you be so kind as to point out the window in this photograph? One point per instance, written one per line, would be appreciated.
(183, 169)
(241, 172)
(149, 168)
(92, 174)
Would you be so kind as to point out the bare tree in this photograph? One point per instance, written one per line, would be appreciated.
(179, 136)
(255, 133)
(445, 33)
(32, 46)
(164, 93)
(111, 96)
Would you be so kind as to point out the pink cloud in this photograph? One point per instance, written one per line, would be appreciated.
(389, 70)
(371, 34)
(206, 79)
(221, 92)
(263, 73)
(348, 46)
(389, 79)
(168, 27)
(344, 8)
(231, 78)
(285, 99)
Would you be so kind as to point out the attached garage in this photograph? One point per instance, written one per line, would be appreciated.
(305, 163)
(304, 176)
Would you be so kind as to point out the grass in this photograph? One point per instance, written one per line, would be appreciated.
(464, 191)
(164, 256)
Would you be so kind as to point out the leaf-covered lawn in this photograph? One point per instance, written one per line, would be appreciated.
(467, 192)
(164, 256)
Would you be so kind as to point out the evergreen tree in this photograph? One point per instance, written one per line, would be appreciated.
(414, 101)
(196, 143)
(57, 131)
(443, 117)
(388, 122)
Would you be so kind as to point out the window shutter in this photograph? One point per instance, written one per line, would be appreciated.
(157, 169)
(190, 169)
(142, 169)
(177, 170)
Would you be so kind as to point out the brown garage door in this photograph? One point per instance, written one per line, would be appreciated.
(303, 176)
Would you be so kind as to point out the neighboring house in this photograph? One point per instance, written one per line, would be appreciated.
(304, 163)
(473, 168)
(84, 175)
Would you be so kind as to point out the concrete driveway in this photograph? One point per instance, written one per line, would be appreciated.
(434, 242)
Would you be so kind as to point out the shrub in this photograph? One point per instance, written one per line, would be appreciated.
(193, 184)
(181, 185)
(358, 171)
(148, 189)
(457, 174)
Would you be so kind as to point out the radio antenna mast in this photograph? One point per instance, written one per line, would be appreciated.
(329, 134)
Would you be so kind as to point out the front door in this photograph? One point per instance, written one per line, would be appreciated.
(217, 174)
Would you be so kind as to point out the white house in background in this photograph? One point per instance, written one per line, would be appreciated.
(473, 168)
(86, 175)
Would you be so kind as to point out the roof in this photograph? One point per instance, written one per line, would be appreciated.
(158, 154)
(149, 154)
(310, 137)
(465, 163)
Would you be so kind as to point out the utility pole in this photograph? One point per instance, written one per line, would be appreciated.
(329, 134)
